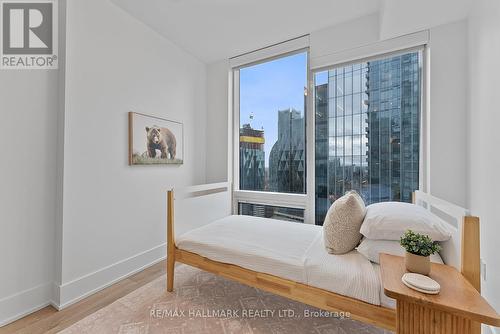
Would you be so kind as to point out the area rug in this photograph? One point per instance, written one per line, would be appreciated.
(208, 304)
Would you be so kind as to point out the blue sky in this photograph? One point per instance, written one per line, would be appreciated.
(268, 87)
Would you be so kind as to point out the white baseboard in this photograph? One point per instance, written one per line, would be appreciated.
(77, 289)
(20, 304)
(31, 300)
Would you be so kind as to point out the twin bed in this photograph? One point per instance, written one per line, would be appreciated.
(289, 259)
(291, 251)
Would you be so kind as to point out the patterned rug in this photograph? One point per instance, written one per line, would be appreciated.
(209, 304)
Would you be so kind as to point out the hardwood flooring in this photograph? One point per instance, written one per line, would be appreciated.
(49, 320)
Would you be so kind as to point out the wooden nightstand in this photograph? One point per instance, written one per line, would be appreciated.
(455, 310)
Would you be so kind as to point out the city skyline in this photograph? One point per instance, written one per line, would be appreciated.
(268, 87)
(367, 136)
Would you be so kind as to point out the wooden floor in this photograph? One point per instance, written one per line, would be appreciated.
(49, 320)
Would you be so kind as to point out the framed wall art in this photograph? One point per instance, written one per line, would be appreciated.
(154, 140)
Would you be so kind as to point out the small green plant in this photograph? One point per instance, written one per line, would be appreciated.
(419, 244)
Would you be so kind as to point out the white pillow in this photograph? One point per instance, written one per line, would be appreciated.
(342, 222)
(390, 220)
(371, 249)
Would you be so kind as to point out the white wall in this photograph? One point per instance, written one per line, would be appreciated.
(448, 112)
(344, 36)
(484, 118)
(29, 179)
(109, 218)
(74, 216)
(28, 136)
(217, 122)
(399, 17)
(113, 214)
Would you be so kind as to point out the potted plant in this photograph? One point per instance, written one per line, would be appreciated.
(419, 248)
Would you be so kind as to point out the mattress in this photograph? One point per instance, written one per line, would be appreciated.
(265, 245)
(349, 274)
(289, 250)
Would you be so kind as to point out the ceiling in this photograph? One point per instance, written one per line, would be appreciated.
(216, 29)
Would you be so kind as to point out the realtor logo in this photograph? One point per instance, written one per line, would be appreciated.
(29, 35)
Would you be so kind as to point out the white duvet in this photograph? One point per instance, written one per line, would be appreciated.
(289, 250)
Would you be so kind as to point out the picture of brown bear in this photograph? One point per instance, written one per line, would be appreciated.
(154, 140)
(161, 139)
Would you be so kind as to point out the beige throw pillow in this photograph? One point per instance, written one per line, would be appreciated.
(342, 223)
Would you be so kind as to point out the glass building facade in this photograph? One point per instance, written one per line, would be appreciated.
(269, 211)
(367, 131)
(286, 165)
(287, 156)
(252, 158)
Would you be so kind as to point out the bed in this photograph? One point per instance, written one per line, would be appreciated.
(289, 259)
(251, 243)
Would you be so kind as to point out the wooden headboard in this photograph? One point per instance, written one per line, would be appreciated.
(462, 250)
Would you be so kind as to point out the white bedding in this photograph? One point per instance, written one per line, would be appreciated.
(265, 245)
(384, 300)
(289, 250)
(348, 274)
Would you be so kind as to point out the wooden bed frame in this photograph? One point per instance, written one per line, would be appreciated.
(462, 252)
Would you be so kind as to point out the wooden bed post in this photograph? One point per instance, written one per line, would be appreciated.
(471, 262)
(170, 241)
(471, 258)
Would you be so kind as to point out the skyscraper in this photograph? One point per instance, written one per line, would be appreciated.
(252, 174)
(252, 158)
(321, 153)
(393, 127)
(287, 157)
(367, 131)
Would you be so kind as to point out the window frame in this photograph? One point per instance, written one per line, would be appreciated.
(306, 201)
(297, 201)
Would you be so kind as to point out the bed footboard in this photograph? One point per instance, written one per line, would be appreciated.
(193, 207)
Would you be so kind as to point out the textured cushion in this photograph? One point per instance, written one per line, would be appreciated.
(342, 223)
(371, 249)
(390, 220)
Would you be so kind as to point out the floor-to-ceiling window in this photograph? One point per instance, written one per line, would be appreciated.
(362, 132)
(271, 139)
(367, 130)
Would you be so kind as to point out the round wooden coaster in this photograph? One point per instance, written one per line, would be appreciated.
(421, 283)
